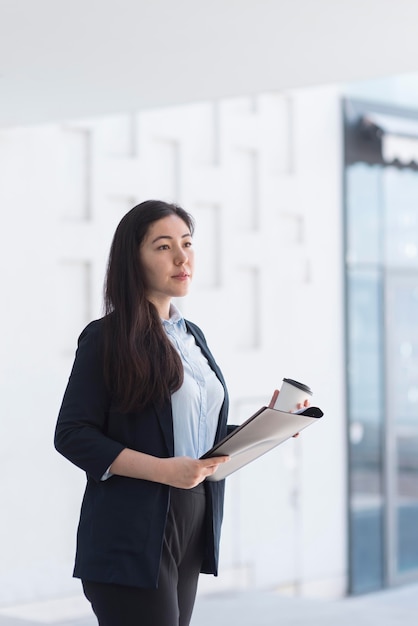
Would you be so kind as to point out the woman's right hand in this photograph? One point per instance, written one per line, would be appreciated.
(177, 471)
(184, 472)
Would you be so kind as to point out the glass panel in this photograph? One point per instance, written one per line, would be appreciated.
(382, 374)
(366, 423)
(363, 220)
(407, 501)
(402, 308)
(366, 558)
(401, 215)
(365, 347)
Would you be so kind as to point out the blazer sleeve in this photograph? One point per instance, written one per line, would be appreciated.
(81, 426)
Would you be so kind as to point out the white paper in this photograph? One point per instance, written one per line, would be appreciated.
(262, 432)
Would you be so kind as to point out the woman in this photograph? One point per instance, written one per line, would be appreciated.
(144, 401)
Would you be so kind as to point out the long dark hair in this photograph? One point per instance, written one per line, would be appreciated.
(141, 365)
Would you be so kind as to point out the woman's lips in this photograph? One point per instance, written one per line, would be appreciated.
(181, 276)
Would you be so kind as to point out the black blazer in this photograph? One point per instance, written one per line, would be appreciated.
(122, 521)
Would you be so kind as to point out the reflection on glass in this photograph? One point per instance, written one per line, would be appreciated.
(401, 216)
(365, 356)
(402, 309)
(363, 220)
(382, 373)
(365, 391)
(407, 500)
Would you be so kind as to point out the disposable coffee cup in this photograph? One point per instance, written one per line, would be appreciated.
(291, 394)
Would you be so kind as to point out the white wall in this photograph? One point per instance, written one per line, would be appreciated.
(263, 178)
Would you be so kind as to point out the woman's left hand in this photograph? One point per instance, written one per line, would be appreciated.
(299, 406)
(273, 398)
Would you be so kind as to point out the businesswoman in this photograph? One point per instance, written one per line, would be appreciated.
(145, 399)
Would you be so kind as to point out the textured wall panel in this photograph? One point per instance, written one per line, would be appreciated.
(233, 165)
(117, 136)
(207, 241)
(75, 203)
(246, 181)
(74, 302)
(277, 136)
(247, 309)
(260, 174)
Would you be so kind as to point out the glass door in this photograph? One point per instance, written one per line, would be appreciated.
(402, 425)
(381, 271)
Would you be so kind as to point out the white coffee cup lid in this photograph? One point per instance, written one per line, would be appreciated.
(301, 386)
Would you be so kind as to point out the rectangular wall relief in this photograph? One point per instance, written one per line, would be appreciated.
(117, 136)
(276, 117)
(167, 174)
(246, 189)
(76, 146)
(73, 301)
(247, 315)
(207, 240)
(285, 157)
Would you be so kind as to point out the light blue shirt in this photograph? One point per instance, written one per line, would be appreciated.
(196, 405)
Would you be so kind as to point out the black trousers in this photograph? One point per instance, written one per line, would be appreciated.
(171, 604)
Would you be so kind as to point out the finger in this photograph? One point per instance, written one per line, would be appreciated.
(208, 471)
(221, 459)
(211, 470)
(215, 461)
(274, 398)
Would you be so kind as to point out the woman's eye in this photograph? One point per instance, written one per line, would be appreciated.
(188, 244)
(163, 247)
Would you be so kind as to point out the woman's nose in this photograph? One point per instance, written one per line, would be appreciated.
(181, 257)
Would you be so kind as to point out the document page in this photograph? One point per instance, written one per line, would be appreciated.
(262, 432)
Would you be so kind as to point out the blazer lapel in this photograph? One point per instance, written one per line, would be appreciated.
(165, 418)
(205, 350)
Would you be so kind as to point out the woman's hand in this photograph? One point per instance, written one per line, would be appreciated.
(185, 473)
(299, 406)
(276, 395)
(178, 471)
(273, 398)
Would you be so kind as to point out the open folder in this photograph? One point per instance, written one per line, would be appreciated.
(263, 431)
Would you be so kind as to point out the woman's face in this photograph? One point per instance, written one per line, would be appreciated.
(167, 258)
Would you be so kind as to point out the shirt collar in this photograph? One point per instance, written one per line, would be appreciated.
(175, 319)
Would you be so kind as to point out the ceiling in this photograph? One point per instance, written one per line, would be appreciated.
(76, 58)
